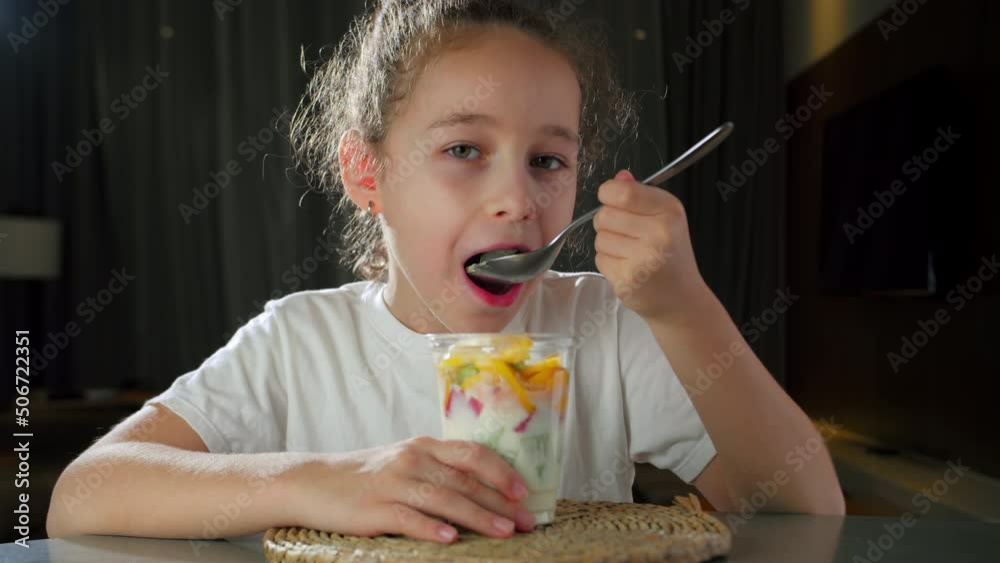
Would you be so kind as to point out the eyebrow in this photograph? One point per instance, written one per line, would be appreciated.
(459, 118)
(562, 132)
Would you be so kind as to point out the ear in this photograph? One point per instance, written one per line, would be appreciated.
(357, 171)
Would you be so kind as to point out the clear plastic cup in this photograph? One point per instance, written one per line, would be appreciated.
(509, 392)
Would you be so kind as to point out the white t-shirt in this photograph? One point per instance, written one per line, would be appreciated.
(333, 370)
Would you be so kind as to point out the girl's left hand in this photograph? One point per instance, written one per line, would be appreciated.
(644, 248)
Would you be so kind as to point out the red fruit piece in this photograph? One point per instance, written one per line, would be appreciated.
(477, 407)
(523, 424)
(447, 399)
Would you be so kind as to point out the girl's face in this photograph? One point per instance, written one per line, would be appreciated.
(482, 155)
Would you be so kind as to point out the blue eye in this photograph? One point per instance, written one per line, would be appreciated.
(464, 153)
(552, 161)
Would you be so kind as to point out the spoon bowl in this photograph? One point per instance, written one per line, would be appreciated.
(503, 266)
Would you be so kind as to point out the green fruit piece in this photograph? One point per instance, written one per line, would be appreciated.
(465, 372)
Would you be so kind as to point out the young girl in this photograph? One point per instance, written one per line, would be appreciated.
(452, 128)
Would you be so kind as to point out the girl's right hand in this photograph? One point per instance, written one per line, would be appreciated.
(408, 488)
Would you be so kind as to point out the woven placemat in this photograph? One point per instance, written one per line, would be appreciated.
(594, 531)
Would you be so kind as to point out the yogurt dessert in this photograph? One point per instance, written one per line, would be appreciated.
(509, 392)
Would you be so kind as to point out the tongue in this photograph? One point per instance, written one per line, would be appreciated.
(496, 288)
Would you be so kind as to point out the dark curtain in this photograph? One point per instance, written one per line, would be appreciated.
(223, 75)
(739, 237)
(226, 79)
(733, 72)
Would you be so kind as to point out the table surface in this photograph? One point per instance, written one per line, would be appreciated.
(771, 538)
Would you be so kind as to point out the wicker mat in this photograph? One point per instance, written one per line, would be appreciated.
(595, 531)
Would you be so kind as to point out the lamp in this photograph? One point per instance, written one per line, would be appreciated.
(30, 248)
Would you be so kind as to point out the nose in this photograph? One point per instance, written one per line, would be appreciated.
(513, 198)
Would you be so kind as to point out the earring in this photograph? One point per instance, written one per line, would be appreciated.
(369, 207)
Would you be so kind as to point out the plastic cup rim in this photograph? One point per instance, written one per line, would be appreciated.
(539, 337)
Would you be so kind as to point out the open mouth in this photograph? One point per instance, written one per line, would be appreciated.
(494, 287)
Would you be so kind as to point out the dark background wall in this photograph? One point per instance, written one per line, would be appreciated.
(941, 402)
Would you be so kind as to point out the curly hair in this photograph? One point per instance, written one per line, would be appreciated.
(359, 88)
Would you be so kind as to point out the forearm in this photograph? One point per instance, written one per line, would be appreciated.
(757, 429)
(153, 490)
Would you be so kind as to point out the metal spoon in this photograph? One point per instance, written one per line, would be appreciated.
(507, 266)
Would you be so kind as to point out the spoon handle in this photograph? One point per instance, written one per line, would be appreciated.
(678, 165)
(697, 151)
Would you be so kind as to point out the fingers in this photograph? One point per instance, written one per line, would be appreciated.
(418, 525)
(617, 245)
(483, 463)
(610, 266)
(623, 234)
(635, 197)
(449, 504)
(422, 483)
(615, 220)
(638, 226)
(447, 480)
(491, 499)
